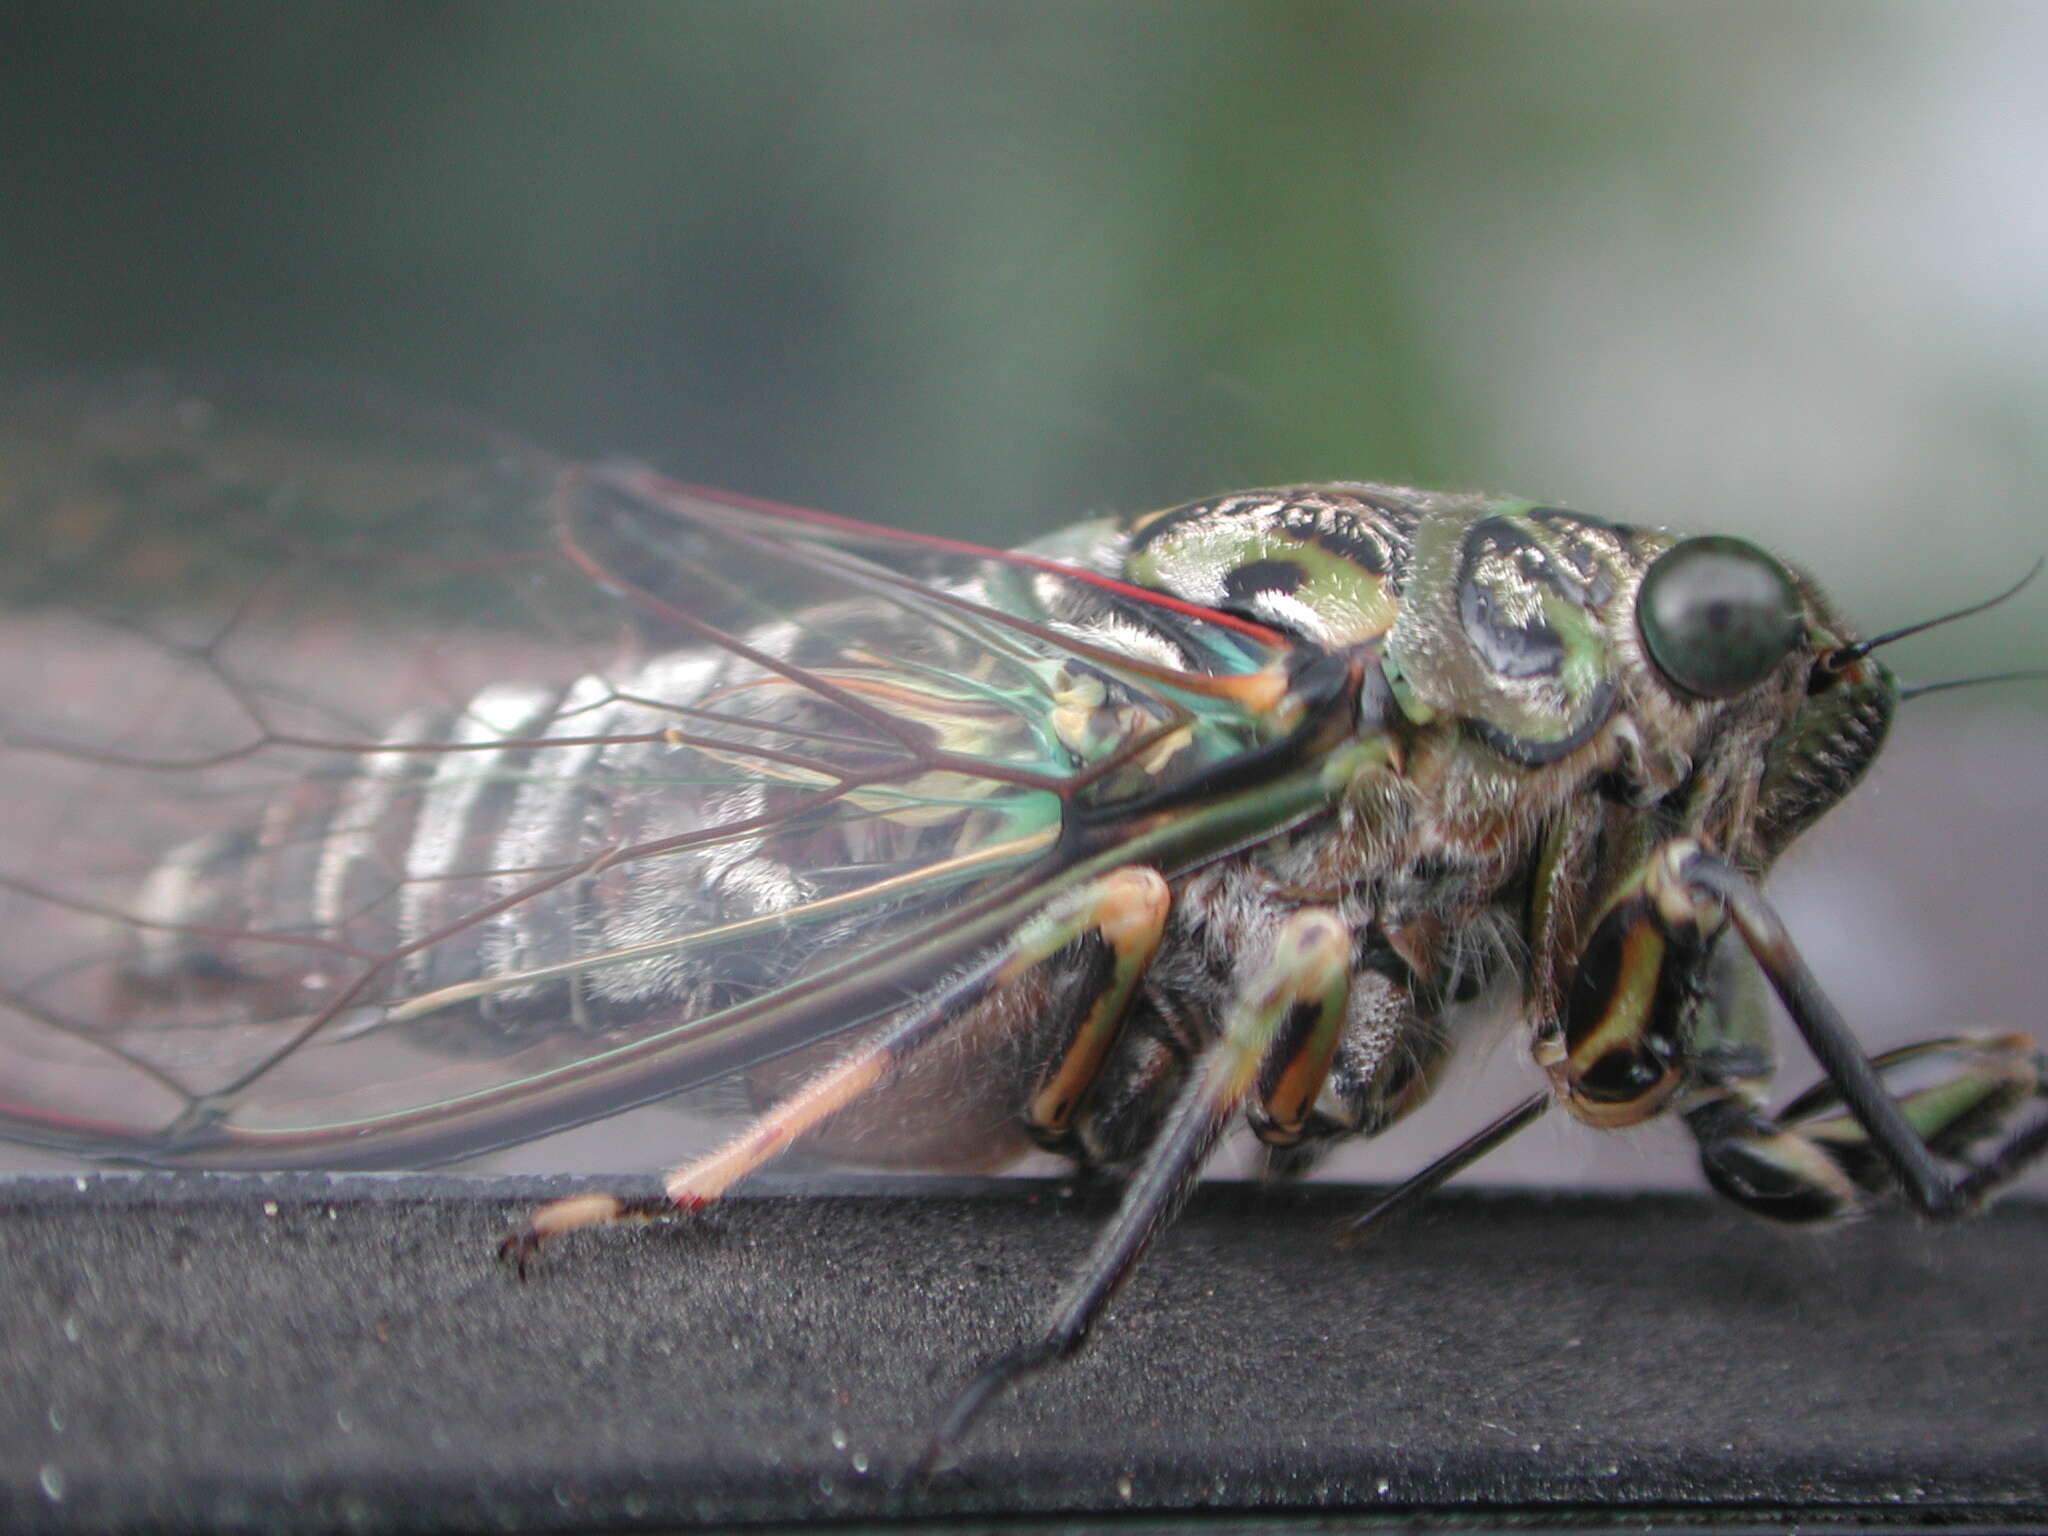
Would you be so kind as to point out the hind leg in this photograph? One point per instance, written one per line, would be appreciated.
(1108, 932)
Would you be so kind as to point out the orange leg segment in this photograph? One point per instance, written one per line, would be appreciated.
(1124, 911)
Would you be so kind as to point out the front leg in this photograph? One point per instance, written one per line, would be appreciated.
(1664, 1011)
(1814, 1160)
(1638, 1002)
(1909, 1142)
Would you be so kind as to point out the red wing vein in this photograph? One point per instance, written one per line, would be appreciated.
(674, 494)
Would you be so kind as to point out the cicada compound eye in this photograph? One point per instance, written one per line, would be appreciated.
(1718, 615)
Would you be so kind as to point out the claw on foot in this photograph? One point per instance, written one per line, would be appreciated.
(553, 1219)
(518, 1248)
(990, 1383)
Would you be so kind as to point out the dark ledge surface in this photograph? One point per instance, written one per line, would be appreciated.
(311, 1352)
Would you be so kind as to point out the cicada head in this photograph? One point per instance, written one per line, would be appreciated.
(1834, 733)
(1791, 709)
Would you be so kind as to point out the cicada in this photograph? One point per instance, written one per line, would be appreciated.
(386, 790)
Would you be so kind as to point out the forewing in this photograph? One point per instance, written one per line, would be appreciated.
(379, 789)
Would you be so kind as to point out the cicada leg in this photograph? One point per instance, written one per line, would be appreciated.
(1296, 996)
(1956, 1090)
(1814, 1159)
(1321, 1089)
(1664, 1010)
(1116, 921)
(1625, 1045)
(1117, 942)
(1851, 1134)
(1288, 1108)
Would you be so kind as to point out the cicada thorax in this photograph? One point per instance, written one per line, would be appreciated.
(1495, 623)
(1328, 563)
(1504, 629)
(1429, 862)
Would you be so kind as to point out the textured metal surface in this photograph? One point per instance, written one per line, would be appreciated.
(311, 1352)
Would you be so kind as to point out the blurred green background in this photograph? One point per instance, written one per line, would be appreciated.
(1776, 268)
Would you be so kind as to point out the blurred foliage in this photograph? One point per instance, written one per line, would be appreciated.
(1779, 268)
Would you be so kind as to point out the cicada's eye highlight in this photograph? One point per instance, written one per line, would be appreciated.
(1718, 615)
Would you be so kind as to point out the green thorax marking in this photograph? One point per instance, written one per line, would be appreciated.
(1507, 621)
(1324, 562)
(1496, 613)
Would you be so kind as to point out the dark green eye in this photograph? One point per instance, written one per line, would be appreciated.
(1718, 615)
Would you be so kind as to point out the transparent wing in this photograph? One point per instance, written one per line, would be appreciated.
(379, 789)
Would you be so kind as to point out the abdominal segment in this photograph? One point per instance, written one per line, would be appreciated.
(567, 847)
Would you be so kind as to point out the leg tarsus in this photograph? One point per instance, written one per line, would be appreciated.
(518, 1249)
(1760, 1164)
(997, 1377)
(520, 1246)
(2007, 1163)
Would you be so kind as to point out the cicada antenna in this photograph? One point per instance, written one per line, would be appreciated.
(1921, 690)
(1848, 655)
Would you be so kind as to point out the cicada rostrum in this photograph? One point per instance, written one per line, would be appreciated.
(402, 792)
